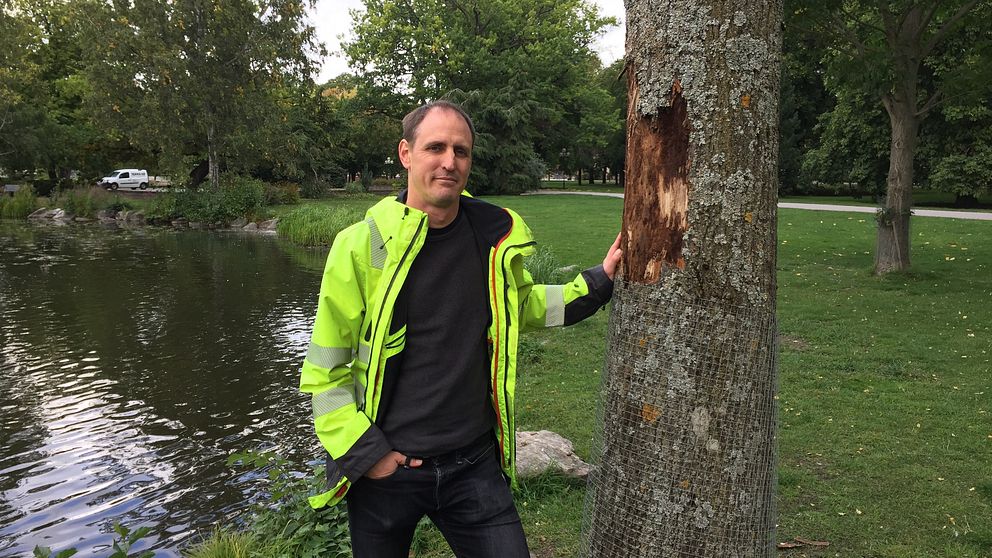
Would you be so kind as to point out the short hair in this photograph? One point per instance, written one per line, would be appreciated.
(411, 122)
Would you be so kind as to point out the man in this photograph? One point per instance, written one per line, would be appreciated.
(411, 366)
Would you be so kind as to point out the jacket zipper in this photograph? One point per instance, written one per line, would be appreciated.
(506, 337)
(382, 308)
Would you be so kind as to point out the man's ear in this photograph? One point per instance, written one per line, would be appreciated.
(404, 153)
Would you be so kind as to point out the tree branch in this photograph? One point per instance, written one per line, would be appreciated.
(946, 27)
(842, 29)
(934, 100)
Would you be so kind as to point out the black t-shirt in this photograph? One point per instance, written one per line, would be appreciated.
(440, 400)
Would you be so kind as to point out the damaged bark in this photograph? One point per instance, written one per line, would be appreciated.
(686, 454)
(658, 166)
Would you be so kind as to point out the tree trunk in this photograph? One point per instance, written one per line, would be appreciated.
(579, 175)
(892, 241)
(686, 456)
(214, 165)
(198, 174)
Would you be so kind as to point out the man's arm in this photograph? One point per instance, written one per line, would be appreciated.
(331, 374)
(557, 305)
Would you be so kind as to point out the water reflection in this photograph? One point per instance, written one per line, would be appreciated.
(133, 362)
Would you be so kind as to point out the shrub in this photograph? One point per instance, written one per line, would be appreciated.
(84, 202)
(356, 187)
(292, 527)
(117, 203)
(282, 193)
(22, 204)
(226, 544)
(44, 188)
(314, 188)
(162, 207)
(317, 225)
(237, 197)
(243, 196)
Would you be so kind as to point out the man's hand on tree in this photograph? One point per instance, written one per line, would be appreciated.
(612, 259)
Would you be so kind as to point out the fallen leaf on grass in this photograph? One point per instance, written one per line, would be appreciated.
(820, 544)
(799, 542)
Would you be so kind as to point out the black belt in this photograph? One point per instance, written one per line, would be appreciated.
(476, 446)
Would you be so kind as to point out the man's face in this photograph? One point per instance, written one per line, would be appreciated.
(438, 160)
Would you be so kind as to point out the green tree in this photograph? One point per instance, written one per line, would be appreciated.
(910, 56)
(957, 148)
(19, 79)
(43, 87)
(614, 155)
(202, 80)
(522, 66)
(851, 147)
(804, 98)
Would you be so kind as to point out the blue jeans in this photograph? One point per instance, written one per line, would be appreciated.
(464, 493)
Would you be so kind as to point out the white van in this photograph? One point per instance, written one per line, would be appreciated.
(125, 178)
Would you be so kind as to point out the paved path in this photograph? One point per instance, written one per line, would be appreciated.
(976, 215)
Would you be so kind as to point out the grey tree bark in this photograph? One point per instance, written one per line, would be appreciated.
(686, 457)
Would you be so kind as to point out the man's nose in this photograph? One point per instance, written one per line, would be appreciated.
(448, 159)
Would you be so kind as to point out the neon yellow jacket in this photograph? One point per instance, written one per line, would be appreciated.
(355, 338)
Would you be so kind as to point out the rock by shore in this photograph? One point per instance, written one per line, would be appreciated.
(136, 217)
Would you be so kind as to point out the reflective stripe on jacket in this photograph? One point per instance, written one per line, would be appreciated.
(355, 339)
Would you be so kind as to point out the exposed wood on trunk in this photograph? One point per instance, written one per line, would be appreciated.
(654, 218)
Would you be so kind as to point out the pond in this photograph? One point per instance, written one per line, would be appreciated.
(132, 363)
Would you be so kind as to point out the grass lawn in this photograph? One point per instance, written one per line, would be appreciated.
(885, 433)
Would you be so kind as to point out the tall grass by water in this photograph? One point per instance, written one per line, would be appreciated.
(20, 205)
(318, 224)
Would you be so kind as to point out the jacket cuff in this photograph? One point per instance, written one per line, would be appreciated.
(364, 453)
(600, 291)
(600, 284)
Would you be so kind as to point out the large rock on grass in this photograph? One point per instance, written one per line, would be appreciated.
(542, 450)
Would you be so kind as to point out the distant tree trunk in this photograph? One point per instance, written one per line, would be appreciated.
(579, 175)
(198, 174)
(892, 240)
(686, 458)
(212, 158)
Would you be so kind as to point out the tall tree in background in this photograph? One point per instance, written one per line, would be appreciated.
(686, 466)
(43, 120)
(201, 80)
(611, 79)
(521, 67)
(890, 48)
